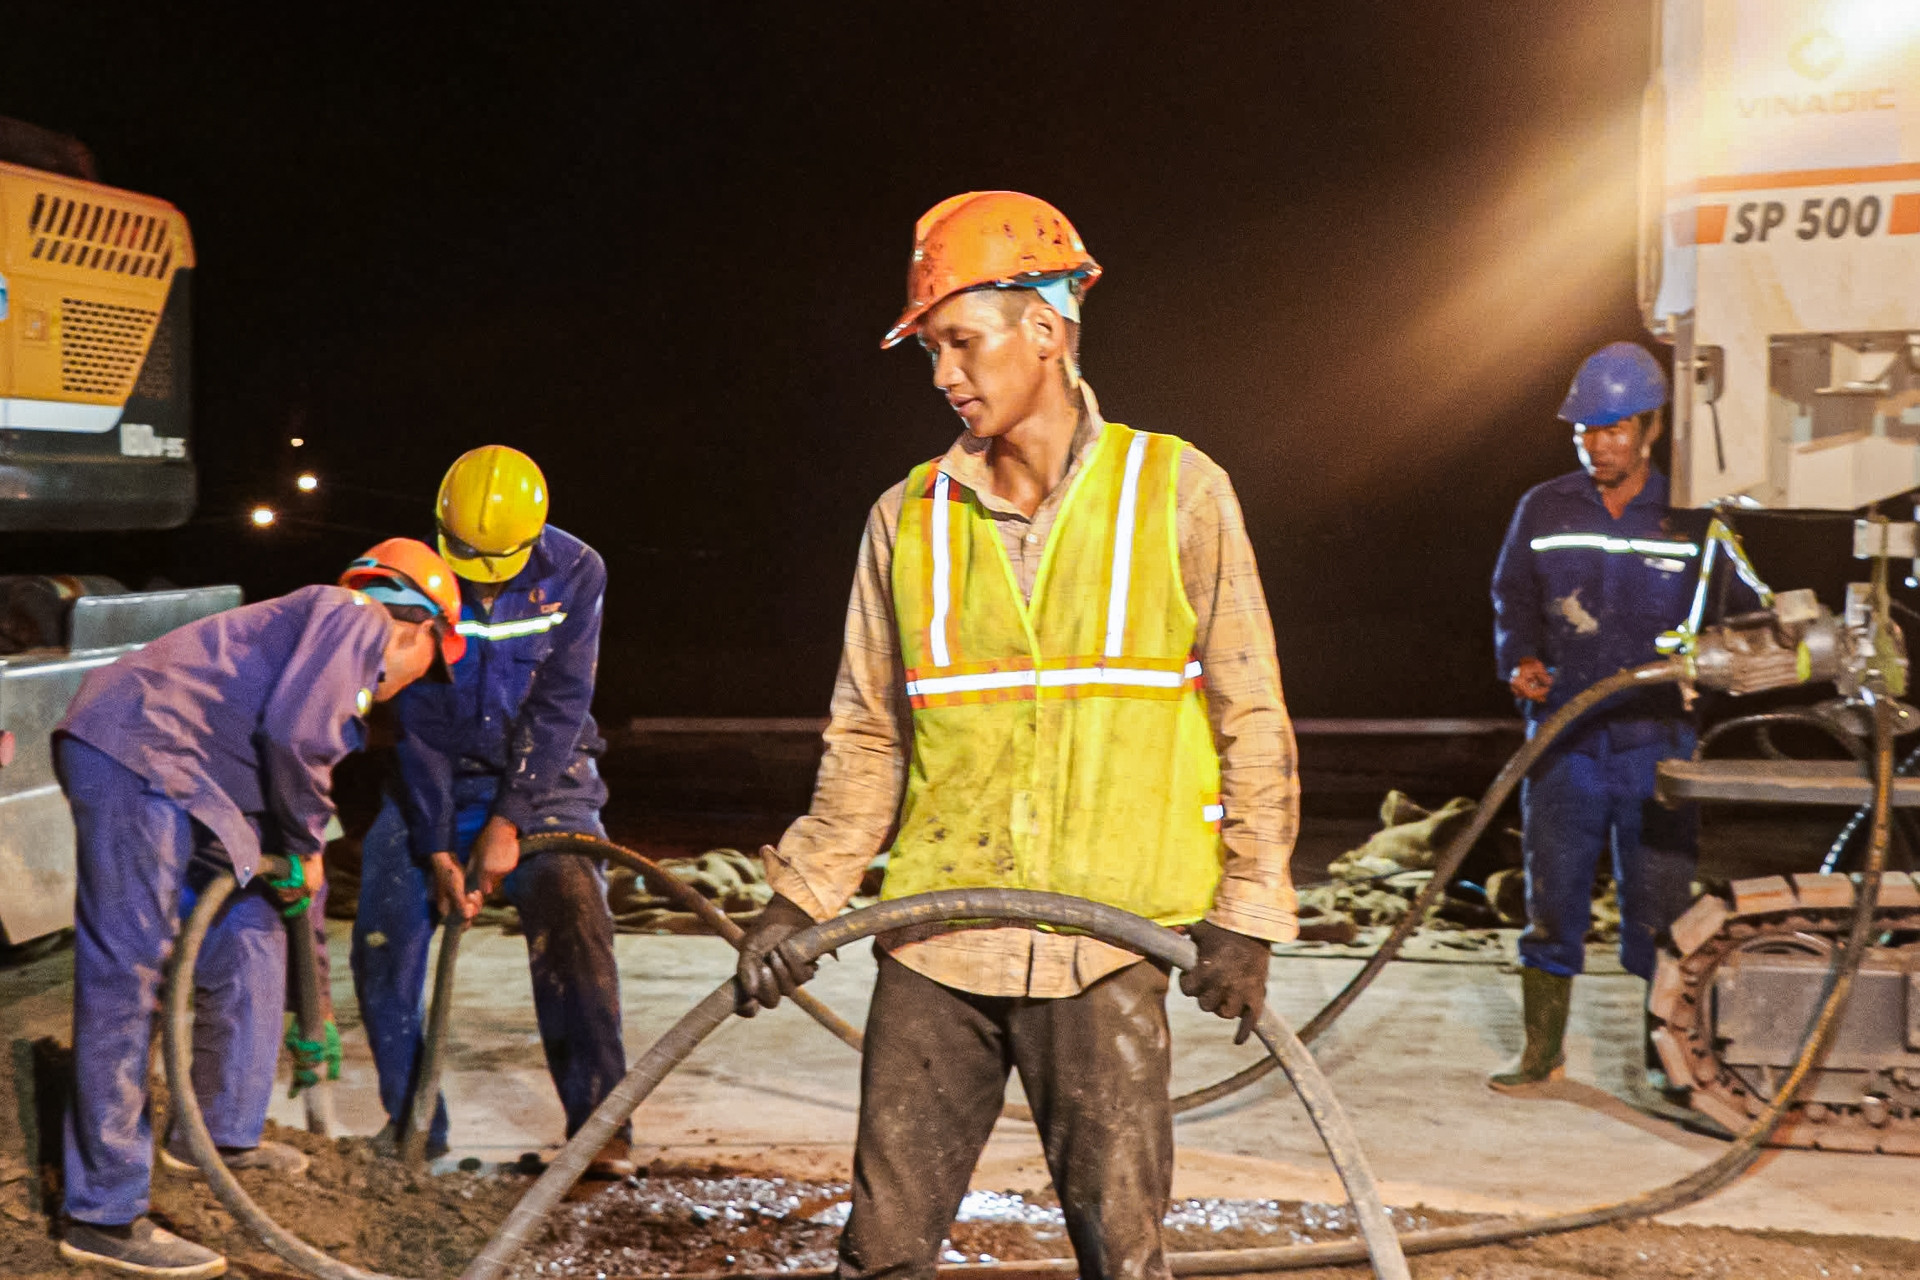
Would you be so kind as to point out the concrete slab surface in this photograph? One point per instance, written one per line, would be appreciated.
(1408, 1062)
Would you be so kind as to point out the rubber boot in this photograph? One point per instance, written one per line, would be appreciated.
(1545, 999)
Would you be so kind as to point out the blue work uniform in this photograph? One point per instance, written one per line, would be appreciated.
(181, 760)
(512, 736)
(1588, 595)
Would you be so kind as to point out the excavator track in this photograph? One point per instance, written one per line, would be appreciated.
(1736, 986)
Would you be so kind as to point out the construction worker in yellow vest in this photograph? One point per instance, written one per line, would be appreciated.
(1059, 674)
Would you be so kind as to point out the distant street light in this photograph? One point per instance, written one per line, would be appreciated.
(296, 442)
(262, 517)
(307, 482)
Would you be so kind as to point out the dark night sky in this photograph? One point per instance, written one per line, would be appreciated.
(1353, 251)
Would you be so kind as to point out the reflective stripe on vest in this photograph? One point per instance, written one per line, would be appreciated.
(1023, 680)
(510, 630)
(1061, 741)
(1615, 546)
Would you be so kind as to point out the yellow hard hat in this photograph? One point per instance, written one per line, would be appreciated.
(492, 507)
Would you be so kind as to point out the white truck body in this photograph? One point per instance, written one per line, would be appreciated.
(1780, 246)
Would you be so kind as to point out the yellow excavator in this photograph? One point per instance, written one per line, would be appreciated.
(95, 406)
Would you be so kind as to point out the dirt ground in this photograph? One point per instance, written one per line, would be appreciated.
(372, 1213)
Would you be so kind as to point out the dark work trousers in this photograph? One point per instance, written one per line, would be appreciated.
(932, 1081)
(1581, 806)
(562, 899)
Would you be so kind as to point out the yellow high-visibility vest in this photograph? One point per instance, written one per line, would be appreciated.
(1060, 743)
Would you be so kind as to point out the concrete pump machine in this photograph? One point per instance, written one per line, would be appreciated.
(1780, 257)
(94, 436)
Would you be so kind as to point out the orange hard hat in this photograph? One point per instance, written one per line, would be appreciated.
(988, 238)
(409, 572)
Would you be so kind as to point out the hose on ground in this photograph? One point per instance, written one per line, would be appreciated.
(1108, 923)
(684, 1036)
(426, 1087)
(1444, 867)
(1703, 1182)
(1503, 786)
(1142, 936)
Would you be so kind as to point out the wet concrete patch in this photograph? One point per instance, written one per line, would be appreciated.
(679, 1224)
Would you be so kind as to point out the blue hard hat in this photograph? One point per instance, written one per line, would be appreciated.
(1617, 381)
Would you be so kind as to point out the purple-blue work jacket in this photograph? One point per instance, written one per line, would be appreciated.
(240, 717)
(519, 708)
(1589, 594)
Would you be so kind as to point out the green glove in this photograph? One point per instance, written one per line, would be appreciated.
(310, 1055)
(296, 879)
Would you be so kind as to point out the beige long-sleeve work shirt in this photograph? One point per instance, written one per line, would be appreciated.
(823, 855)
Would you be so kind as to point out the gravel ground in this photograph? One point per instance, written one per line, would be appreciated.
(373, 1214)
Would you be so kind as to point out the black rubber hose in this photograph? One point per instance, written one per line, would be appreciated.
(1379, 1243)
(690, 900)
(188, 1120)
(417, 1124)
(711, 1012)
(304, 967)
(426, 1090)
(1739, 1156)
(1444, 867)
(1113, 925)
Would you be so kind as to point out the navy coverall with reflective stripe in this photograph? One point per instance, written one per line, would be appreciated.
(512, 737)
(1588, 595)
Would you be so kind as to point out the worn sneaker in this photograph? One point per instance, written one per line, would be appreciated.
(275, 1157)
(140, 1249)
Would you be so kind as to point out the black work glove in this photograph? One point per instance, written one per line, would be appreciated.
(1230, 978)
(767, 970)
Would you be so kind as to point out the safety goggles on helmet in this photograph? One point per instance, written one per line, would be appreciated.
(461, 550)
(492, 566)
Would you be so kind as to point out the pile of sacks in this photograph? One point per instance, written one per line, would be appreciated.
(1373, 887)
(727, 878)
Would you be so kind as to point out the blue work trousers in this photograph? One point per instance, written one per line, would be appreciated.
(562, 900)
(141, 862)
(1577, 807)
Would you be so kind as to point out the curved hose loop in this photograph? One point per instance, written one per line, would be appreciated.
(1378, 1243)
(426, 1087)
(686, 1035)
(1655, 673)
(691, 900)
(1703, 1182)
(1444, 867)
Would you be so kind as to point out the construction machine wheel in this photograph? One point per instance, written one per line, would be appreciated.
(1740, 977)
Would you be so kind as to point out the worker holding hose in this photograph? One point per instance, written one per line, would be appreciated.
(182, 760)
(509, 749)
(1059, 674)
(1595, 567)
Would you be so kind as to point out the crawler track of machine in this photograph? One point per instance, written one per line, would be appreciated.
(1742, 976)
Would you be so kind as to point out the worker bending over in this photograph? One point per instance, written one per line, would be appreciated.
(1059, 674)
(1595, 567)
(182, 760)
(507, 750)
